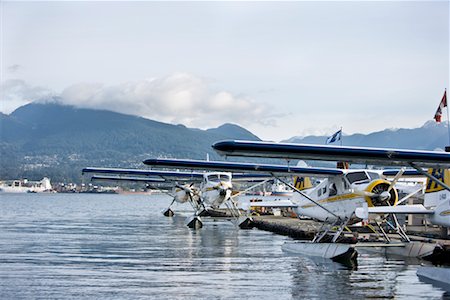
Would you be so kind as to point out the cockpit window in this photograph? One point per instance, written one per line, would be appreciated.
(224, 177)
(218, 177)
(214, 178)
(373, 175)
(357, 177)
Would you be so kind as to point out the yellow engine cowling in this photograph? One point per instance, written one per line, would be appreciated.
(377, 187)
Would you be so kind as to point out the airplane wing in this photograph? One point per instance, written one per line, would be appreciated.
(160, 176)
(250, 177)
(242, 167)
(363, 212)
(268, 203)
(126, 178)
(166, 175)
(409, 172)
(363, 155)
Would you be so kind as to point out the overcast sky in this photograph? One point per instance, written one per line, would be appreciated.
(278, 69)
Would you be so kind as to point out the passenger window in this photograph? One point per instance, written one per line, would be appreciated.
(333, 190)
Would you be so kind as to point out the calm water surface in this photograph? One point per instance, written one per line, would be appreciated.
(121, 246)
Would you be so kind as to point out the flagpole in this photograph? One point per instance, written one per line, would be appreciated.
(448, 115)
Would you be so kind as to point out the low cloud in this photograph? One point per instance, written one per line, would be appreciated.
(16, 92)
(178, 98)
(14, 68)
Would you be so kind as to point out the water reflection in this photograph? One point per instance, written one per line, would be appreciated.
(375, 277)
(113, 246)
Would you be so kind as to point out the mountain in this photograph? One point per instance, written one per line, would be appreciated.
(235, 131)
(55, 140)
(430, 136)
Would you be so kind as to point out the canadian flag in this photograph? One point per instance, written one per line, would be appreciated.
(438, 114)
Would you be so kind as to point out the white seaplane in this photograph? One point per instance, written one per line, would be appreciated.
(205, 191)
(343, 196)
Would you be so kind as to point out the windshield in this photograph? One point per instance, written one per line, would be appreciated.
(218, 177)
(224, 177)
(373, 175)
(214, 178)
(357, 177)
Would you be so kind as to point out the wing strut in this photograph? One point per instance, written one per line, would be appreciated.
(431, 177)
(250, 188)
(306, 196)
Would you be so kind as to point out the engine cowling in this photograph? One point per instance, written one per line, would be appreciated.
(382, 195)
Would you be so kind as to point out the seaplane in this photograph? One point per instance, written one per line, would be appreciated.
(343, 196)
(204, 191)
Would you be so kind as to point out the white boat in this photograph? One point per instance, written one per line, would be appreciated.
(280, 189)
(26, 186)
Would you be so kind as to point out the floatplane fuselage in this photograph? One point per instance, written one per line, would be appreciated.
(337, 197)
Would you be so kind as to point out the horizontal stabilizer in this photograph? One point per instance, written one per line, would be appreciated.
(271, 203)
(362, 212)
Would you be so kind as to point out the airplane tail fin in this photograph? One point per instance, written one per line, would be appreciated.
(436, 193)
(343, 165)
(302, 183)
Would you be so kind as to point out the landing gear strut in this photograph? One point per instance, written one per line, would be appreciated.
(169, 212)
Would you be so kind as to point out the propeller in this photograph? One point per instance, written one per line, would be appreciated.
(380, 192)
(191, 191)
(222, 188)
(382, 195)
(186, 188)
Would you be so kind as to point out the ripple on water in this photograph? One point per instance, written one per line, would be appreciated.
(115, 246)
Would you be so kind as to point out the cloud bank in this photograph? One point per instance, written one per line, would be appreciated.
(178, 98)
(16, 92)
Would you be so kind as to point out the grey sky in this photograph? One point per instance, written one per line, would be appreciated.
(279, 69)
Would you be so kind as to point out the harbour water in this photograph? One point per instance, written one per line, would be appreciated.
(94, 246)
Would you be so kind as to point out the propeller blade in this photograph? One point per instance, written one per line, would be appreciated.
(396, 178)
(365, 193)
